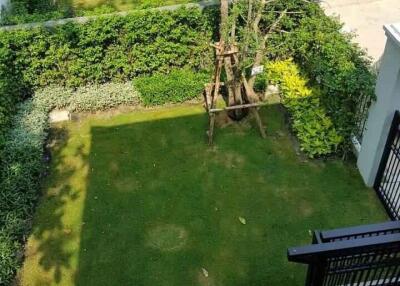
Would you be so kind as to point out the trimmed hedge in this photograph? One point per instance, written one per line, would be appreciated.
(112, 48)
(87, 98)
(313, 128)
(23, 163)
(178, 86)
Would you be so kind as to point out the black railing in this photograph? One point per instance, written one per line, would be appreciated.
(364, 255)
(387, 181)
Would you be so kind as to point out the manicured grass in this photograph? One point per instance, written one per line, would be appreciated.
(140, 199)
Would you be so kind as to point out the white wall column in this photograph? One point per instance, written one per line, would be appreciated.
(3, 5)
(382, 110)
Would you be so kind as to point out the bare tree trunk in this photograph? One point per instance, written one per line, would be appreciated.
(224, 17)
(261, 49)
(234, 97)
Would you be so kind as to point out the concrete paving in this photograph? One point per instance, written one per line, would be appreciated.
(366, 18)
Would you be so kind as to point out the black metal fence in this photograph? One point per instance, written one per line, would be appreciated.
(361, 116)
(387, 182)
(363, 256)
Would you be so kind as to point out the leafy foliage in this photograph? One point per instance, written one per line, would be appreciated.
(177, 86)
(87, 98)
(333, 62)
(312, 126)
(277, 18)
(112, 48)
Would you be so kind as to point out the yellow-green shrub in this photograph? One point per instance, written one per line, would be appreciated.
(313, 128)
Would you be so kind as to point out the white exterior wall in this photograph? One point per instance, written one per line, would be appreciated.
(3, 3)
(382, 111)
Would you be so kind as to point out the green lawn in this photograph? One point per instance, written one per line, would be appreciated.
(140, 199)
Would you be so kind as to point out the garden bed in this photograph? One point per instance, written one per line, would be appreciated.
(156, 57)
(140, 199)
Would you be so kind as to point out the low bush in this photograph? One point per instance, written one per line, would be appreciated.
(87, 98)
(313, 128)
(177, 86)
(23, 164)
(334, 63)
(8, 261)
(111, 48)
(26, 11)
(22, 167)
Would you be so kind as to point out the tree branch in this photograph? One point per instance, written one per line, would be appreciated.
(260, 52)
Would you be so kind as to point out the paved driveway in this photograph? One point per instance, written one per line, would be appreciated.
(366, 18)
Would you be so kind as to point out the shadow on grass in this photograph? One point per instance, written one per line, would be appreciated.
(160, 207)
(50, 230)
(153, 201)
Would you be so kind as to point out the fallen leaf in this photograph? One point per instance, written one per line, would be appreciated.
(242, 220)
(205, 272)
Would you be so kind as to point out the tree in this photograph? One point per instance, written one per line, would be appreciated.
(242, 44)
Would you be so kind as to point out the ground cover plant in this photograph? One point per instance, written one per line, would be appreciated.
(140, 199)
(177, 86)
(106, 49)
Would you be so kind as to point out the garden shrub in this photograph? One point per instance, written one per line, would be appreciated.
(8, 261)
(177, 86)
(313, 128)
(109, 48)
(22, 161)
(20, 172)
(332, 61)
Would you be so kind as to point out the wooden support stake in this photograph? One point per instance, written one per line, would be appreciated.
(239, 92)
(240, 106)
(211, 129)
